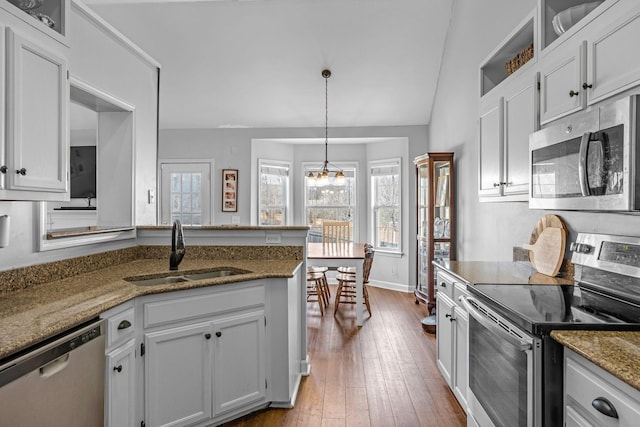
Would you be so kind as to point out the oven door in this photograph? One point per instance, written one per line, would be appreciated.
(505, 371)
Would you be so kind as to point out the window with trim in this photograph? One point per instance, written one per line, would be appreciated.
(332, 201)
(386, 211)
(273, 193)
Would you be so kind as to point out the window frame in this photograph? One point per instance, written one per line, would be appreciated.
(288, 191)
(374, 207)
(345, 166)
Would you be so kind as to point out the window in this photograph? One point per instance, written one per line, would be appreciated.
(273, 193)
(186, 191)
(329, 202)
(385, 204)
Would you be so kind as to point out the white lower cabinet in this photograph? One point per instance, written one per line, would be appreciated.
(120, 386)
(178, 380)
(120, 366)
(204, 355)
(239, 361)
(595, 398)
(452, 336)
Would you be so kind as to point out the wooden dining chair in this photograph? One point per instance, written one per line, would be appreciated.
(346, 293)
(316, 290)
(336, 232)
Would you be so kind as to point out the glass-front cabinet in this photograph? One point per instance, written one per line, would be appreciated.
(436, 220)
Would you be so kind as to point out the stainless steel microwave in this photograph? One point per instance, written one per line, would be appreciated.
(588, 161)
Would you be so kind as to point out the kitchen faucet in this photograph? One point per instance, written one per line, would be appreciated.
(177, 245)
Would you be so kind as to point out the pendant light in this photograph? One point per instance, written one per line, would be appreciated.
(322, 178)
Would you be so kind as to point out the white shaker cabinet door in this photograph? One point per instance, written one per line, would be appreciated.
(561, 79)
(178, 379)
(239, 361)
(491, 135)
(120, 387)
(444, 338)
(37, 117)
(613, 66)
(520, 120)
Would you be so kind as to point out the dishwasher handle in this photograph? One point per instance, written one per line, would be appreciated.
(55, 366)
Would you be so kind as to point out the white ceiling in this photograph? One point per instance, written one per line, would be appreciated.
(258, 63)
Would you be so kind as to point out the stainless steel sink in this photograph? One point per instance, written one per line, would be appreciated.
(202, 275)
(159, 281)
(213, 274)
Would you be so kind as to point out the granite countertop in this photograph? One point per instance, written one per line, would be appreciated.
(30, 315)
(499, 273)
(617, 352)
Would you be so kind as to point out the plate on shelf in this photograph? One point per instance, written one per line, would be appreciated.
(569, 17)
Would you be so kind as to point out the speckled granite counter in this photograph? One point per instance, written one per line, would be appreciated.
(39, 310)
(498, 273)
(616, 352)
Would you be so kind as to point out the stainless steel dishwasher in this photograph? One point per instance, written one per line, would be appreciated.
(59, 382)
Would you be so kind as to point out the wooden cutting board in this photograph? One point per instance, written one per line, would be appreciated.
(548, 250)
(545, 221)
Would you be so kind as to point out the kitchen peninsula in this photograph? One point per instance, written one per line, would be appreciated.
(266, 299)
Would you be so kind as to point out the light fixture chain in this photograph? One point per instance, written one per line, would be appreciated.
(326, 121)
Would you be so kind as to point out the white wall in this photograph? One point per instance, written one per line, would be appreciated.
(488, 231)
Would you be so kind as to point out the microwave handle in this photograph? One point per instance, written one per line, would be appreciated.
(582, 165)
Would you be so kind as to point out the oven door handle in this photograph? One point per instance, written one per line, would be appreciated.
(493, 327)
(582, 164)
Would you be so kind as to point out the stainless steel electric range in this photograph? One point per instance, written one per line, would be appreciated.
(515, 367)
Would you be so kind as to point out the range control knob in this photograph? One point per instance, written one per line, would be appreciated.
(581, 248)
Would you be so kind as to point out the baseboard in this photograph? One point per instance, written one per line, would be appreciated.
(392, 286)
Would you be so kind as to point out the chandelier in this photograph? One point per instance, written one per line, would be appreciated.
(322, 178)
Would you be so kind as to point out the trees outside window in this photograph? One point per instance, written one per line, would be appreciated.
(330, 202)
(386, 212)
(274, 193)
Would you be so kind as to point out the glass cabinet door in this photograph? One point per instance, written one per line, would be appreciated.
(435, 220)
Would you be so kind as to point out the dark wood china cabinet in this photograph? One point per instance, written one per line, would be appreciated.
(435, 186)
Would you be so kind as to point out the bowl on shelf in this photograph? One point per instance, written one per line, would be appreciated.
(27, 4)
(569, 17)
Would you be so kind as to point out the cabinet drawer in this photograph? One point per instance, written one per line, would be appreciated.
(586, 382)
(120, 326)
(445, 283)
(162, 312)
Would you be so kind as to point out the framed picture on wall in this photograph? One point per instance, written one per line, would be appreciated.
(229, 190)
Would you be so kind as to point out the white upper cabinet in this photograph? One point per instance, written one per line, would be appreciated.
(508, 114)
(34, 144)
(561, 74)
(591, 61)
(37, 94)
(611, 65)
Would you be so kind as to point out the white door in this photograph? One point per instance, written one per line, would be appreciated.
(239, 361)
(561, 79)
(491, 134)
(178, 382)
(120, 387)
(520, 120)
(186, 193)
(38, 94)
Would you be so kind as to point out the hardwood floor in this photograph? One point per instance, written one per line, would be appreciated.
(383, 374)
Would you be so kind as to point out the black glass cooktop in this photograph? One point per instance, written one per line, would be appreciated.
(539, 309)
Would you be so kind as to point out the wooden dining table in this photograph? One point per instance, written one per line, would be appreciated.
(334, 255)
